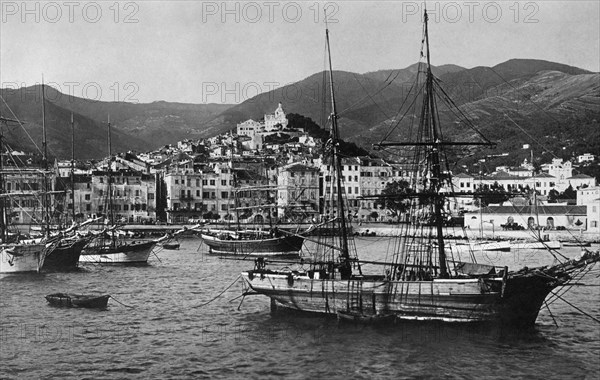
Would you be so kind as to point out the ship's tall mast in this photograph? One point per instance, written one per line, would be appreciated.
(109, 177)
(346, 269)
(3, 217)
(432, 128)
(73, 167)
(45, 203)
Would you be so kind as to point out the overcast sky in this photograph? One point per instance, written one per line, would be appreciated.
(226, 52)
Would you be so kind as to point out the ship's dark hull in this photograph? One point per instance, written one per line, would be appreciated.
(132, 253)
(514, 299)
(276, 246)
(77, 300)
(65, 255)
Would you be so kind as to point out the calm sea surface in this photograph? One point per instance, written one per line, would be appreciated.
(166, 333)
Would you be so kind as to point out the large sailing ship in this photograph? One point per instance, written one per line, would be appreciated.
(110, 246)
(425, 280)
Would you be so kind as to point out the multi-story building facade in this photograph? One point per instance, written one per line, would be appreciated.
(23, 199)
(298, 192)
(217, 191)
(184, 195)
(132, 196)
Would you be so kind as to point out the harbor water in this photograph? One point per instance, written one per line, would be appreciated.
(178, 317)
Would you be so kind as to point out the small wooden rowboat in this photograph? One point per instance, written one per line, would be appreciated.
(78, 300)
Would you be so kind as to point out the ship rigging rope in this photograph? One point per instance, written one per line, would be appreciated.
(530, 136)
(370, 96)
(20, 124)
(528, 99)
(567, 287)
(448, 100)
(220, 294)
(576, 308)
(48, 148)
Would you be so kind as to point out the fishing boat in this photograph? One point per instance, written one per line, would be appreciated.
(78, 300)
(252, 242)
(570, 243)
(422, 282)
(110, 249)
(550, 244)
(503, 246)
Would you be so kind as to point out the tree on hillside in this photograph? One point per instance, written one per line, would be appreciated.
(396, 196)
(569, 193)
(490, 194)
(313, 129)
(553, 196)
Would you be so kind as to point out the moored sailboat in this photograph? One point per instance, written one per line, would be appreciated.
(252, 243)
(424, 281)
(109, 247)
(16, 255)
(259, 241)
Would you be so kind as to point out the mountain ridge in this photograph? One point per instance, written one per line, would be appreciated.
(366, 104)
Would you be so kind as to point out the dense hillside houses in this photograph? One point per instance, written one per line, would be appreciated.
(272, 170)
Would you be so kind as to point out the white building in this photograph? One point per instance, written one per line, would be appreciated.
(586, 157)
(275, 119)
(587, 195)
(593, 216)
(250, 128)
(579, 180)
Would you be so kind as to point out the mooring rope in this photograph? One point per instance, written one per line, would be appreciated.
(121, 303)
(220, 294)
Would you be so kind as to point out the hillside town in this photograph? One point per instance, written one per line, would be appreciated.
(270, 170)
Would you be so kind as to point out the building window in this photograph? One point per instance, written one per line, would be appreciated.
(150, 195)
(212, 182)
(204, 182)
(177, 182)
(224, 194)
(87, 197)
(223, 182)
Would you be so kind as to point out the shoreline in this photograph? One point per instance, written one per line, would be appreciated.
(524, 235)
